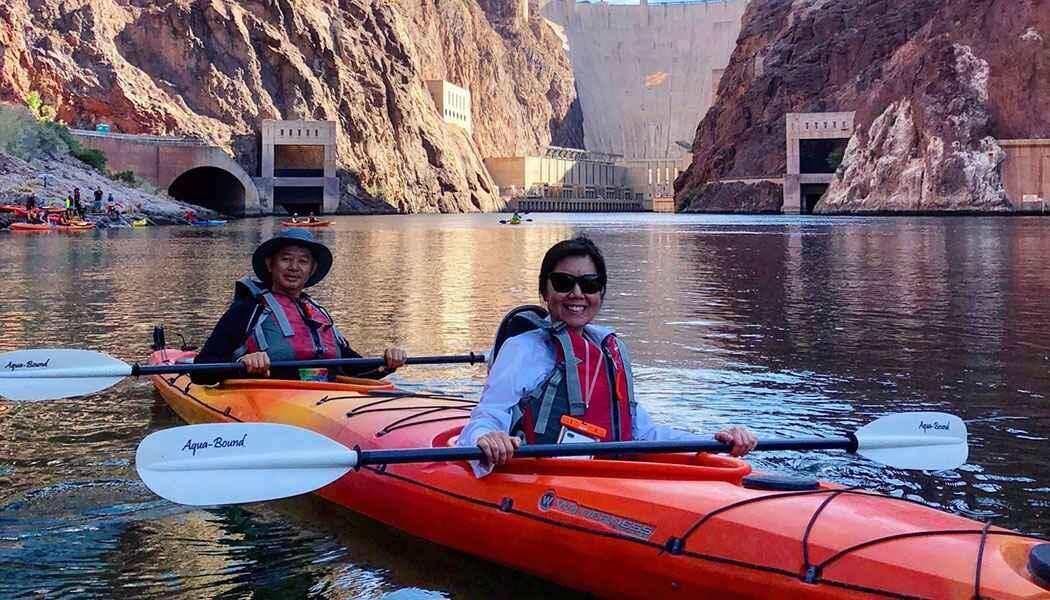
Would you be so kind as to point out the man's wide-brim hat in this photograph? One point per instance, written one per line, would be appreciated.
(292, 237)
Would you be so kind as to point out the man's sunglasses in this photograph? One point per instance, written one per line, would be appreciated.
(563, 283)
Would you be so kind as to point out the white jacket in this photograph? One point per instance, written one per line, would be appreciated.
(521, 365)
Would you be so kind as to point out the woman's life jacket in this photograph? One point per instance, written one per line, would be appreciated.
(591, 380)
(289, 329)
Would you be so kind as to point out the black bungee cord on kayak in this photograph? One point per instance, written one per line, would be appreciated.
(813, 573)
(416, 418)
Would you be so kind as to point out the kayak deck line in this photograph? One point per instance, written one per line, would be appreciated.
(812, 572)
(172, 381)
(413, 419)
(823, 562)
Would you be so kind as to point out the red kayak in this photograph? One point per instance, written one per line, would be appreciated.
(306, 224)
(44, 228)
(651, 526)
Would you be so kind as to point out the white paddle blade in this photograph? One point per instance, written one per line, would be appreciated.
(230, 463)
(929, 441)
(50, 373)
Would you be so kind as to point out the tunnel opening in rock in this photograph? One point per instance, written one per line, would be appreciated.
(210, 187)
(299, 200)
(811, 195)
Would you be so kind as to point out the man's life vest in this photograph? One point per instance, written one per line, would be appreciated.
(598, 388)
(287, 329)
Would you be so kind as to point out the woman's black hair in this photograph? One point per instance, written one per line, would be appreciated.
(577, 246)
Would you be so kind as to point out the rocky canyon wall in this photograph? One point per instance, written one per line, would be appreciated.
(933, 82)
(216, 68)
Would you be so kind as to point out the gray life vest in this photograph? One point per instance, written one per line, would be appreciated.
(270, 330)
(538, 415)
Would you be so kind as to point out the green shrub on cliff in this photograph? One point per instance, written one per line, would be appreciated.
(91, 156)
(125, 176)
(32, 133)
(40, 110)
(22, 135)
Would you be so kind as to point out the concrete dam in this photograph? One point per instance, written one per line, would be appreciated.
(646, 73)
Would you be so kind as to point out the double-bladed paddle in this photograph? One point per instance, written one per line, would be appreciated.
(228, 463)
(49, 374)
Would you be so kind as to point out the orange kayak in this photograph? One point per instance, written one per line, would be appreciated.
(306, 224)
(83, 226)
(657, 526)
(18, 210)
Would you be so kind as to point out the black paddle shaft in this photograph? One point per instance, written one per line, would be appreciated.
(413, 455)
(304, 364)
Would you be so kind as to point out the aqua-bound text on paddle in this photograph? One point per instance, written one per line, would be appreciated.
(216, 443)
(924, 426)
(13, 366)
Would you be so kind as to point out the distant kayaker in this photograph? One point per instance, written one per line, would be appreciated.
(531, 395)
(189, 216)
(311, 218)
(295, 217)
(273, 319)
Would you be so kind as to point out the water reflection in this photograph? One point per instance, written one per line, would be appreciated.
(794, 326)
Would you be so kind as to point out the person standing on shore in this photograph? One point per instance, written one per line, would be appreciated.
(98, 199)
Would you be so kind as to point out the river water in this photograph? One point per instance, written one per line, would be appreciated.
(795, 326)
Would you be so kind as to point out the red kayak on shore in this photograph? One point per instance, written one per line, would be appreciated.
(45, 228)
(647, 526)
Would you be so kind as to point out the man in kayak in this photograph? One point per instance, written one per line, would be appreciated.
(531, 394)
(273, 319)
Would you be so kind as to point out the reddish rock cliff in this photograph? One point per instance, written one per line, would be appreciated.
(933, 84)
(215, 68)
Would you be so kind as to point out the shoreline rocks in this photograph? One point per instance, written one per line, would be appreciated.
(51, 179)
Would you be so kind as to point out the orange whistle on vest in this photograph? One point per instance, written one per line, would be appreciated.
(583, 427)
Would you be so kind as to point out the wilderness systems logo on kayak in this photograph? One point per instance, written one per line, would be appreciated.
(13, 366)
(936, 426)
(551, 502)
(218, 442)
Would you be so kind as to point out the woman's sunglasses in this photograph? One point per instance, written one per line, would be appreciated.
(563, 283)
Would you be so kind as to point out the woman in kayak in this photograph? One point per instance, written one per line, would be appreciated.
(531, 394)
(273, 319)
